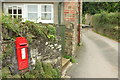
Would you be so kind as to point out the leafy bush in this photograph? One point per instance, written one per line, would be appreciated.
(43, 70)
(51, 32)
(83, 19)
(68, 57)
(71, 58)
(10, 24)
(51, 29)
(107, 23)
(29, 75)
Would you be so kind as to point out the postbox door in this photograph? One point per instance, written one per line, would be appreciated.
(22, 55)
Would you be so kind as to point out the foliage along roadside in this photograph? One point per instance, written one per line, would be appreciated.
(99, 7)
(71, 58)
(107, 24)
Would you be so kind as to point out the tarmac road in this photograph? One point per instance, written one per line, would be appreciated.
(97, 58)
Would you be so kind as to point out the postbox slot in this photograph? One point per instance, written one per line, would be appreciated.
(23, 44)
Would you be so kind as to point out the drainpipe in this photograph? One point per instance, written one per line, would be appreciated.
(59, 13)
(61, 26)
(79, 1)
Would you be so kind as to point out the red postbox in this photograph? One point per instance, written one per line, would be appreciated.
(21, 45)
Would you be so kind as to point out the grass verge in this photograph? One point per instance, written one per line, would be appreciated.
(106, 36)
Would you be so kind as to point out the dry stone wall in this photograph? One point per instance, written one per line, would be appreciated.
(46, 51)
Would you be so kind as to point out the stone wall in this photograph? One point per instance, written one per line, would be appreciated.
(40, 50)
(88, 19)
(69, 39)
(46, 51)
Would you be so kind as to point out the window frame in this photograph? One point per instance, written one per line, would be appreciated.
(17, 7)
(40, 13)
(26, 9)
(24, 14)
(52, 13)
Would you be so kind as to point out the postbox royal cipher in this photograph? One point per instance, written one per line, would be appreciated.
(21, 45)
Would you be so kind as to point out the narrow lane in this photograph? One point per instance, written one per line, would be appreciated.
(97, 58)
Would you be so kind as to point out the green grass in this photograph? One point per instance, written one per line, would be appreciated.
(71, 59)
(105, 35)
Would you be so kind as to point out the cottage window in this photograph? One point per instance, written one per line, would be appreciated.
(40, 13)
(47, 13)
(32, 12)
(15, 12)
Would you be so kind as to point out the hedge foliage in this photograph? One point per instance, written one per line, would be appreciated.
(107, 24)
(99, 7)
(26, 29)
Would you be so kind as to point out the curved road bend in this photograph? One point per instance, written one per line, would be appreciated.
(97, 58)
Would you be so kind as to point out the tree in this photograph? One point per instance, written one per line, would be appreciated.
(98, 7)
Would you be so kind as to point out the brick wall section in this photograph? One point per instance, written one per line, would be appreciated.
(71, 21)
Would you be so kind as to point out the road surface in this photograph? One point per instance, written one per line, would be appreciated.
(97, 58)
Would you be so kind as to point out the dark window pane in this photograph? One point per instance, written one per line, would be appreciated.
(14, 11)
(11, 16)
(19, 16)
(14, 16)
(10, 11)
(19, 11)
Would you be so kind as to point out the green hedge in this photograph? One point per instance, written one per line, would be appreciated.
(107, 24)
